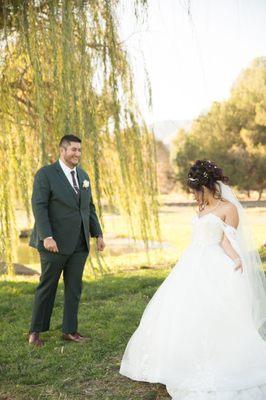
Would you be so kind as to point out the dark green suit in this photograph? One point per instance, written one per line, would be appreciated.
(70, 219)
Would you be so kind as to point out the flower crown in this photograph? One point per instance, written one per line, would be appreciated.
(204, 175)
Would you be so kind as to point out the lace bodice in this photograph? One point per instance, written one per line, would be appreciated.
(209, 229)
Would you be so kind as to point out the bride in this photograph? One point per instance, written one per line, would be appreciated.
(203, 332)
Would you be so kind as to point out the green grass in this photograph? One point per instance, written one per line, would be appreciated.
(110, 309)
(109, 312)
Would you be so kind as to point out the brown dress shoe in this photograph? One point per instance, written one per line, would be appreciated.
(34, 338)
(73, 337)
(81, 336)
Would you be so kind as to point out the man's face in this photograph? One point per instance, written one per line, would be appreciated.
(71, 154)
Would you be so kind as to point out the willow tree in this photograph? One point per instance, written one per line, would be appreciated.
(64, 70)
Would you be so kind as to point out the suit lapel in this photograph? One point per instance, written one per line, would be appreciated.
(82, 191)
(66, 182)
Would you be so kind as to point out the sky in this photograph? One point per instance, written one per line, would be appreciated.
(192, 60)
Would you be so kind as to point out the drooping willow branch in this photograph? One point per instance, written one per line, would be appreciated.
(65, 70)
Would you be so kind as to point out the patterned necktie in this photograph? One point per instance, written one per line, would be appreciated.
(75, 185)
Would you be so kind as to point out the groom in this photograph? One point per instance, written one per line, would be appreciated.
(65, 218)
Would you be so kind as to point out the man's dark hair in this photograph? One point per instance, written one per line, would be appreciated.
(65, 140)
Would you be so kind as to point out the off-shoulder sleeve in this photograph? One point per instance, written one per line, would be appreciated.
(232, 235)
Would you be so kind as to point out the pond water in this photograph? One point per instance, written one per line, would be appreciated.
(114, 247)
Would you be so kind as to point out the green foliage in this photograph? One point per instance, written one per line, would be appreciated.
(110, 310)
(109, 313)
(64, 69)
(232, 133)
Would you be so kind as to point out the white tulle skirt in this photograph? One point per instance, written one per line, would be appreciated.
(196, 334)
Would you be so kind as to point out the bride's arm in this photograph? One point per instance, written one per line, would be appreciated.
(232, 219)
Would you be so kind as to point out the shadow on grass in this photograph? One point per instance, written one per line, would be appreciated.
(110, 311)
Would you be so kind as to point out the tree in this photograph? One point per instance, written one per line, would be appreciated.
(165, 171)
(64, 69)
(232, 133)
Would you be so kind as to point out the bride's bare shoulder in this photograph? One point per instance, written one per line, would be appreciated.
(231, 213)
(228, 205)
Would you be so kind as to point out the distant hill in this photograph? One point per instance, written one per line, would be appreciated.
(167, 130)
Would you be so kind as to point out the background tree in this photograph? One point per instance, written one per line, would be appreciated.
(64, 69)
(232, 133)
(165, 172)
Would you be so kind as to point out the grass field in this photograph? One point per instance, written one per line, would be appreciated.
(110, 309)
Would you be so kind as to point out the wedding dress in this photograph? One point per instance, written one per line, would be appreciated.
(197, 334)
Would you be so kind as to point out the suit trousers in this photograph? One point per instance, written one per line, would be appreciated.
(52, 265)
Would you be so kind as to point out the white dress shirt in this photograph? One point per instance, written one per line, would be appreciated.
(67, 172)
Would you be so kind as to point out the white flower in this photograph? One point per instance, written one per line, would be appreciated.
(85, 184)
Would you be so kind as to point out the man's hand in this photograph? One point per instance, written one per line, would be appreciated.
(50, 245)
(100, 244)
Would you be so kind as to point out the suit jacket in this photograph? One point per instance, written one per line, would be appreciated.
(59, 212)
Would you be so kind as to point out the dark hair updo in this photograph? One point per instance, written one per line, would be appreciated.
(206, 173)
